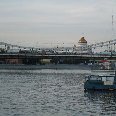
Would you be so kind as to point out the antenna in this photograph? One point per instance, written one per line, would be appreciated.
(112, 24)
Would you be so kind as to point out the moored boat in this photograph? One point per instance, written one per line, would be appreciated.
(100, 82)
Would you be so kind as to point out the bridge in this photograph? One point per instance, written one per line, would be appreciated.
(109, 44)
(33, 55)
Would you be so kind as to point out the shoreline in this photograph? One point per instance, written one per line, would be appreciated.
(46, 66)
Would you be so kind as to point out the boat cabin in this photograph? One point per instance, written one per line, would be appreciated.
(107, 80)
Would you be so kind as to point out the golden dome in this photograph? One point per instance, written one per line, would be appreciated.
(82, 40)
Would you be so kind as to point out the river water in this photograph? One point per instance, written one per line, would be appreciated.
(50, 92)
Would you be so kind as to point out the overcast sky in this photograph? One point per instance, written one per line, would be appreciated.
(48, 22)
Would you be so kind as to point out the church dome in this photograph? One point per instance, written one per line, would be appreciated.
(82, 40)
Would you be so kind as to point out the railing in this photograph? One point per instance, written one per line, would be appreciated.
(34, 54)
(100, 78)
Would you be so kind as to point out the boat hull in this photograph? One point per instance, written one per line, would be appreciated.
(98, 86)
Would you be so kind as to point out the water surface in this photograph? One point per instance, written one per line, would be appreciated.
(50, 92)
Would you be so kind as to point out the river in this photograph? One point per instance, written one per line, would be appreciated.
(51, 92)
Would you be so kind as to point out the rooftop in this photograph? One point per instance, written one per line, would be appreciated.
(82, 40)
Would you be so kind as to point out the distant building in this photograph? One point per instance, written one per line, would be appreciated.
(82, 42)
(82, 47)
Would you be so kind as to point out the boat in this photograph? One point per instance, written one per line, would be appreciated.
(100, 82)
(103, 65)
(102, 77)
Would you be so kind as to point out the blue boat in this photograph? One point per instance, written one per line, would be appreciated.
(100, 82)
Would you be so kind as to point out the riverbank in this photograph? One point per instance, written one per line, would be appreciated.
(47, 66)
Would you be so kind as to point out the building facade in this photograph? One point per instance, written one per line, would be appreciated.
(82, 47)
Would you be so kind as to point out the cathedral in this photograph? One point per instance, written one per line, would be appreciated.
(82, 47)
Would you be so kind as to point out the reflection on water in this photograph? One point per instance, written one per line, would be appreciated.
(51, 93)
(104, 101)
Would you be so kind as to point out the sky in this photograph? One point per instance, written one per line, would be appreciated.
(52, 22)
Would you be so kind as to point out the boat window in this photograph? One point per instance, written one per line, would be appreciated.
(95, 77)
(109, 78)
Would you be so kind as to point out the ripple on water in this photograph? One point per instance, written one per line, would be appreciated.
(51, 93)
